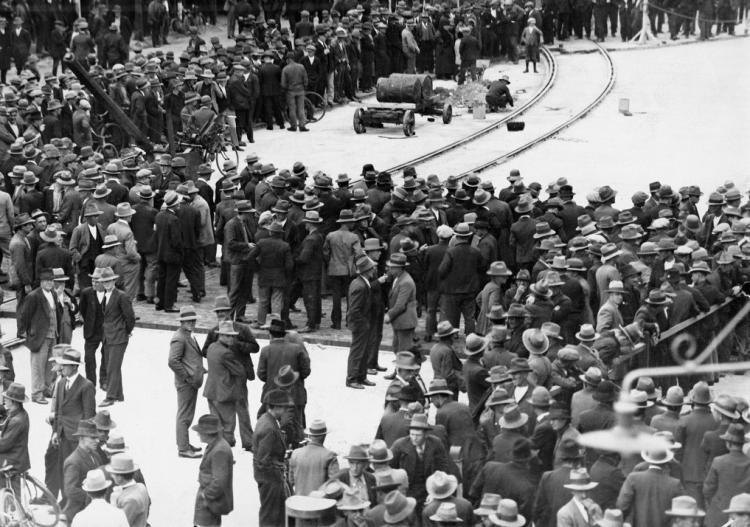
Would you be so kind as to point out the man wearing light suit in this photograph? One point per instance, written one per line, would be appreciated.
(402, 303)
(186, 361)
(127, 251)
(86, 244)
(118, 323)
(73, 400)
(580, 511)
(609, 316)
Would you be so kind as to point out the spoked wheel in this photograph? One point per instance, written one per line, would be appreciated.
(40, 505)
(315, 107)
(226, 154)
(447, 114)
(359, 126)
(11, 514)
(113, 134)
(409, 123)
(109, 151)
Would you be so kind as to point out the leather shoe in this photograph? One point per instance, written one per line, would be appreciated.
(372, 371)
(355, 385)
(380, 368)
(306, 329)
(106, 402)
(195, 448)
(40, 400)
(390, 377)
(171, 310)
(159, 308)
(189, 454)
(140, 297)
(368, 383)
(303, 129)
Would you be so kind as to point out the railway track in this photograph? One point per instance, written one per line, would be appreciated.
(557, 128)
(549, 81)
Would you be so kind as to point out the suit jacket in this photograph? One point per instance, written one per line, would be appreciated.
(14, 441)
(75, 468)
(138, 110)
(215, 476)
(309, 260)
(20, 254)
(728, 476)
(690, 432)
(71, 406)
(81, 241)
(570, 515)
(190, 223)
(128, 250)
(446, 365)
(522, 240)
(224, 374)
(169, 245)
(280, 352)
(610, 478)
(402, 303)
(456, 418)
(393, 426)
(511, 480)
(475, 380)
(89, 305)
(609, 317)
(460, 269)
(646, 495)
(359, 312)
(142, 225)
(35, 319)
(268, 450)
(237, 237)
(119, 192)
(405, 456)
(185, 360)
(502, 445)
(273, 257)
(344, 477)
(551, 496)
(119, 319)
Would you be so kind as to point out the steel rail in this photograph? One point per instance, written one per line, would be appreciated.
(549, 81)
(546, 135)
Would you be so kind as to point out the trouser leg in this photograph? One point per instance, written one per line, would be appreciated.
(239, 289)
(186, 399)
(243, 419)
(357, 360)
(226, 413)
(89, 350)
(115, 356)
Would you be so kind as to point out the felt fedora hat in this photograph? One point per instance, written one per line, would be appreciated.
(121, 463)
(579, 479)
(535, 341)
(488, 504)
(513, 418)
(439, 387)
(441, 485)
(507, 515)
(16, 392)
(286, 376)
(398, 507)
(445, 329)
(207, 424)
(685, 506)
(379, 452)
(474, 344)
(95, 481)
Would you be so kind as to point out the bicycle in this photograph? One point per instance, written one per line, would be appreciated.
(186, 18)
(108, 136)
(212, 145)
(315, 108)
(35, 507)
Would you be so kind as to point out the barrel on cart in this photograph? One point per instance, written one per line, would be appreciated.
(400, 96)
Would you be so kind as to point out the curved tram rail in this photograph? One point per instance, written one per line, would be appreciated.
(553, 131)
(548, 83)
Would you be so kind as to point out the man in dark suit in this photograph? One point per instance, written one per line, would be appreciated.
(86, 245)
(269, 451)
(169, 252)
(186, 361)
(269, 78)
(646, 495)
(727, 476)
(522, 235)
(215, 493)
(358, 321)
(138, 105)
(192, 257)
(273, 257)
(395, 425)
(77, 465)
(551, 493)
(39, 322)
(142, 225)
(5, 49)
(73, 400)
(20, 44)
(280, 352)
(222, 382)
(607, 473)
(238, 241)
(241, 96)
(316, 70)
(119, 192)
(14, 431)
(309, 269)
(419, 446)
(356, 476)
(118, 321)
(402, 303)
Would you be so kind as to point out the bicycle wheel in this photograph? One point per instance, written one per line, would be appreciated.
(11, 513)
(226, 154)
(315, 107)
(114, 135)
(38, 503)
(175, 26)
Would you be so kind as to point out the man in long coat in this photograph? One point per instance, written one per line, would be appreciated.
(215, 493)
(358, 321)
(402, 303)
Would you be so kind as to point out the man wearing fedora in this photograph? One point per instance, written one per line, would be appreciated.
(609, 316)
(309, 268)
(238, 241)
(186, 361)
(99, 511)
(14, 432)
(269, 458)
(313, 464)
(551, 494)
(99, 196)
(420, 454)
(169, 252)
(473, 370)
(356, 476)
(739, 510)
(444, 358)
(76, 467)
(20, 264)
(441, 491)
(684, 511)
(340, 250)
(581, 510)
(50, 253)
(142, 225)
(215, 497)
(273, 258)
(118, 321)
(359, 320)
(39, 320)
(646, 495)
(395, 425)
(225, 372)
(402, 303)
(192, 255)
(86, 245)
(727, 475)
(127, 494)
(127, 251)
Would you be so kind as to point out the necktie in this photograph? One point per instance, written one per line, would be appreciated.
(104, 301)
